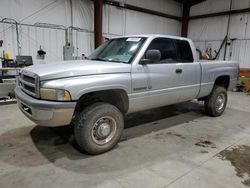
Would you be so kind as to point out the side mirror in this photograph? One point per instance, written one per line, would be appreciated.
(151, 56)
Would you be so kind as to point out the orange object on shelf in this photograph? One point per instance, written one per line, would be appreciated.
(245, 72)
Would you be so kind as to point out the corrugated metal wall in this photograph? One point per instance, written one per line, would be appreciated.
(210, 32)
(116, 21)
(31, 38)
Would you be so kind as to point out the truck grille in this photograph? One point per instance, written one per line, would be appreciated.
(29, 83)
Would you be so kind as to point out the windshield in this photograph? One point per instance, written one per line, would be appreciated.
(121, 50)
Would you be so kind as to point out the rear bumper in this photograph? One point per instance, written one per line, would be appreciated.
(45, 113)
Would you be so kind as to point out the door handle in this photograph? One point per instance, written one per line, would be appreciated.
(178, 71)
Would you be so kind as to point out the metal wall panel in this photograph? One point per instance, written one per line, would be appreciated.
(116, 22)
(32, 11)
(9, 37)
(167, 6)
(211, 31)
(83, 14)
(240, 4)
(238, 26)
(241, 53)
(140, 23)
(83, 43)
(208, 28)
(31, 38)
(213, 6)
(210, 6)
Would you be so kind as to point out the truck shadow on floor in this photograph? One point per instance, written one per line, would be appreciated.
(136, 125)
(26, 144)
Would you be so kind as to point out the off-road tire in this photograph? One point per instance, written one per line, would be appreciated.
(211, 102)
(86, 121)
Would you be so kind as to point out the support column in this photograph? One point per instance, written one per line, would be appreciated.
(185, 20)
(98, 9)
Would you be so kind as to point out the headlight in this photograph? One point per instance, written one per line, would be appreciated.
(55, 94)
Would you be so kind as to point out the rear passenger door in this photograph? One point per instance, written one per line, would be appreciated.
(164, 77)
(189, 79)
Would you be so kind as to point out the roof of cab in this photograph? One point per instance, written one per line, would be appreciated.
(154, 36)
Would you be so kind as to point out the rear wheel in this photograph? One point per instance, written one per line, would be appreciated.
(98, 128)
(216, 102)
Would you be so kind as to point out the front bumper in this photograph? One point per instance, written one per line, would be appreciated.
(45, 113)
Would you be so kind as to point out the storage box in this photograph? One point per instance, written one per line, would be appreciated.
(246, 81)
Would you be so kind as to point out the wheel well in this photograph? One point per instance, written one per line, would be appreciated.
(116, 97)
(223, 81)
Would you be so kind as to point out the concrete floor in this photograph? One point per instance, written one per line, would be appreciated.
(159, 148)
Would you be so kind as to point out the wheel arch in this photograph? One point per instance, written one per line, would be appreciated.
(117, 97)
(222, 80)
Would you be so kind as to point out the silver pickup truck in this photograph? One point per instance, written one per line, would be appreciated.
(124, 75)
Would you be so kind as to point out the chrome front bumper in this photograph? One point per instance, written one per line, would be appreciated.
(45, 113)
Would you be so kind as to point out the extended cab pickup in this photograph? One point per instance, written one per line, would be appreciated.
(124, 75)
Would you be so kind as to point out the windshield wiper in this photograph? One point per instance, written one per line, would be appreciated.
(106, 60)
(99, 59)
(117, 61)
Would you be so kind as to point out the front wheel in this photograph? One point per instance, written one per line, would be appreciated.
(216, 102)
(98, 128)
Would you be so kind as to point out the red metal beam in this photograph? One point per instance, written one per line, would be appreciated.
(187, 4)
(185, 20)
(98, 9)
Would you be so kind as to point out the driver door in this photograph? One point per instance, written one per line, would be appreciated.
(163, 76)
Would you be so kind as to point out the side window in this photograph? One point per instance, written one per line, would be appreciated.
(167, 49)
(184, 51)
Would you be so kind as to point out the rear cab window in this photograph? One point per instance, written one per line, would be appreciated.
(184, 51)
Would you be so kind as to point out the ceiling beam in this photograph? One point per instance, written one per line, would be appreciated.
(195, 2)
(220, 13)
(140, 9)
(190, 2)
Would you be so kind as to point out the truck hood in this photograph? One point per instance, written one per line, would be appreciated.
(77, 68)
